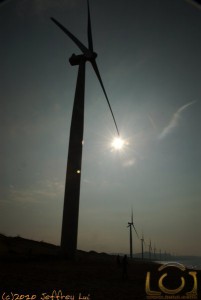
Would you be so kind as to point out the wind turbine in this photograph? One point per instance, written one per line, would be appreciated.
(131, 226)
(142, 245)
(160, 254)
(150, 249)
(73, 173)
(154, 252)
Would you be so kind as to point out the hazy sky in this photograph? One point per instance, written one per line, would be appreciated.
(149, 56)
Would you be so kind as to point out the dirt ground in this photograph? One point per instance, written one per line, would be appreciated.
(36, 275)
(99, 279)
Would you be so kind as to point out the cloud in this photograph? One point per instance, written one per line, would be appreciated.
(174, 120)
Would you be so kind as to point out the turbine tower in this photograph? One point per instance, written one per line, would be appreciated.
(150, 249)
(142, 246)
(73, 173)
(131, 226)
(154, 252)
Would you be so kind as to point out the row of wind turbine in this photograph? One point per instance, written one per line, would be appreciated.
(151, 250)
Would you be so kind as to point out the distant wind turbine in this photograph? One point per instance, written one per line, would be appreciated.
(150, 250)
(73, 174)
(131, 226)
(142, 246)
(154, 252)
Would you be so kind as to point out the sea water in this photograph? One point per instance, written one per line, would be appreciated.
(193, 263)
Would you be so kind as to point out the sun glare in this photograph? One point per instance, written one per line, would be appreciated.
(117, 144)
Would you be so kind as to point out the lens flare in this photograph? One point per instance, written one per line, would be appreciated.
(117, 144)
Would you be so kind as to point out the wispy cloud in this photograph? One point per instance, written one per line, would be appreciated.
(174, 120)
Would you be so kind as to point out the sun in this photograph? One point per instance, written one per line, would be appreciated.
(118, 144)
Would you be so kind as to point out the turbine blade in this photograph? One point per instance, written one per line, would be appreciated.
(90, 41)
(71, 36)
(132, 216)
(101, 83)
(136, 231)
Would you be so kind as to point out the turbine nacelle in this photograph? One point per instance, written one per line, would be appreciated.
(130, 224)
(76, 59)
